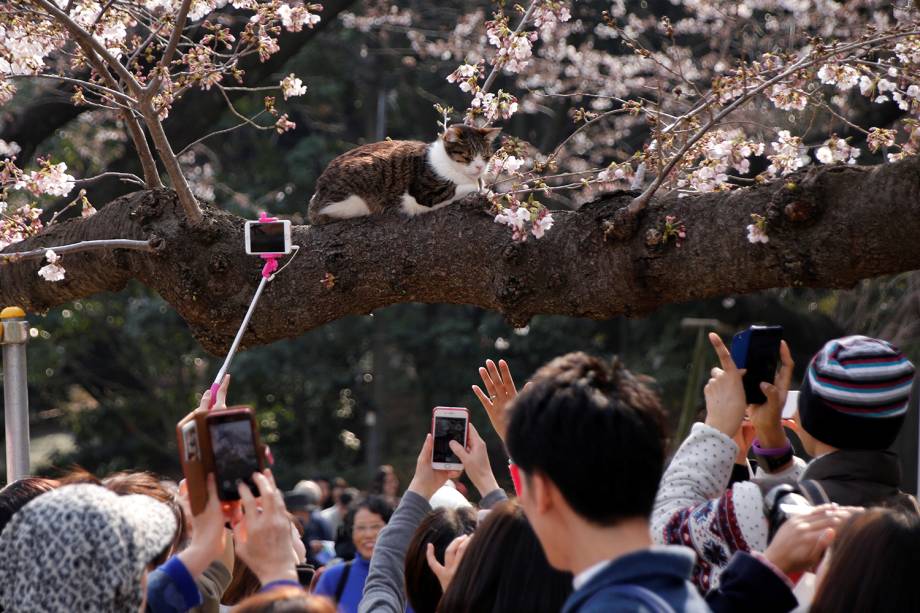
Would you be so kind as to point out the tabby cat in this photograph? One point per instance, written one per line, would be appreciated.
(410, 176)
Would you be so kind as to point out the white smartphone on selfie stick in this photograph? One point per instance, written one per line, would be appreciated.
(448, 424)
(268, 238)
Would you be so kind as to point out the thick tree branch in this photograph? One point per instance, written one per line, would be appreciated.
(829, 227)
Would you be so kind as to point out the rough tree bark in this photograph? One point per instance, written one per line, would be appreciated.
(829, 227)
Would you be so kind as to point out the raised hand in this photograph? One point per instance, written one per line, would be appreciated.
(427, 480)
(452, 557)
(725, 399)
(208, 536)
(263, 536)
(501, 391)
(767, 417)
(802, 539)
(221, 402)
(475, 459)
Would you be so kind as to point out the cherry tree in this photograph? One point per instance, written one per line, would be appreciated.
(709, 148)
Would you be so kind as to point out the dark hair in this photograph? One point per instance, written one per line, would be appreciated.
(285, 600)
(595, 430)
(439, 527)
(19, 493)
(380, 478)
(374, 504)
(873, 565)
(504, 569)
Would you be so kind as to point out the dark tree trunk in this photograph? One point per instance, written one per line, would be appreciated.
(828, 227)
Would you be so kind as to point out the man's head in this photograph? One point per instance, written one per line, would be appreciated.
(587, 435)
(855, 395)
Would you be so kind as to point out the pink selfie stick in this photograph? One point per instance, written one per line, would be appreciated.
(271, 265)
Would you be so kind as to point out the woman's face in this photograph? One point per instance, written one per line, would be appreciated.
(365, 532)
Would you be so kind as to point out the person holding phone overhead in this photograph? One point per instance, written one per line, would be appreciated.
(850, 409)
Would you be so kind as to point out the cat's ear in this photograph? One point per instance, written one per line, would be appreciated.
(452, 134)
(490, 134)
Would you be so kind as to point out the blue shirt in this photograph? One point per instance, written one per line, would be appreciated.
(354, 586)
(664, 571)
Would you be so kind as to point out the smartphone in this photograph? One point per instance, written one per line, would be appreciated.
(448, 424)
(236, 450)
(272, 237)
(757, 350)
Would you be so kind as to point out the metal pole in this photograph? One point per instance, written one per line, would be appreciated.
(15, 335)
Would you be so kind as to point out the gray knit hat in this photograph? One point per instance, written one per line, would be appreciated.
(81, 548)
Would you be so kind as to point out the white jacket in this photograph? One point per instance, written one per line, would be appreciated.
(694, 508)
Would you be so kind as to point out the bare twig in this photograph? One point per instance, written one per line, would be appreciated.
(80, 83)
(114, 243)
(127, 177)
(216, 132)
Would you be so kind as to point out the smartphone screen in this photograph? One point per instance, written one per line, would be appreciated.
(235, 457)
(760, 359)
(447, 429)
(267, 237)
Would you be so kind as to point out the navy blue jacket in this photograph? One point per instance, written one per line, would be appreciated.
(747, 585)
(664, 571)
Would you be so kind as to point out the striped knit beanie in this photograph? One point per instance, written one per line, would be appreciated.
(855, 394)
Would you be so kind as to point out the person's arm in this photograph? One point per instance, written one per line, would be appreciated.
(693, 507)
(171, 588)
(746, 580)
(764, 578)
(212, 584)
(384, 589)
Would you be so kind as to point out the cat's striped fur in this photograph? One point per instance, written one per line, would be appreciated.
(411, 176)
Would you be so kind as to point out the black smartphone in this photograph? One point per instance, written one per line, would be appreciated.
(757, 350)
(235, 449)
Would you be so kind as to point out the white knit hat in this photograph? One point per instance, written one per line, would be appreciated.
(81, 548)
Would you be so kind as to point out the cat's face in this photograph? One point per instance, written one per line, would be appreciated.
(470, 148)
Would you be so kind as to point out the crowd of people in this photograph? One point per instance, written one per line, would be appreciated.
(599, 520)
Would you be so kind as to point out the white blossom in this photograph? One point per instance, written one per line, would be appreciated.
(52, 271)
(756, 234)
(292, 86)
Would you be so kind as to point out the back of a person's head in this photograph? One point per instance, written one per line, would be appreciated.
(440, 527)
(873, 565)
(595, 430)
(855, 393)
(18, 493)
(285, 600)
(81, 548)
(504, 569)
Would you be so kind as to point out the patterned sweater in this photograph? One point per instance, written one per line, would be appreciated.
(694, 508)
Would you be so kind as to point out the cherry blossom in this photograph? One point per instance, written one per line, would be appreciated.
(292, 86)
(52, 271)
(837, 150)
